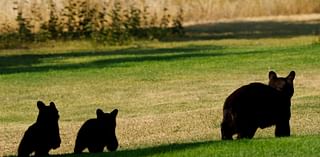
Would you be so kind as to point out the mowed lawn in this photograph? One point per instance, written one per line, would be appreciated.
(169, 94)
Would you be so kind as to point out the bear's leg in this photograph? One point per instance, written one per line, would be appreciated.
(226, 131)
(25, 146)
(227, 126)
(282, 129)
(247, 131)
(96, 148)
(42, 151)
(24, 151)
(79, 147)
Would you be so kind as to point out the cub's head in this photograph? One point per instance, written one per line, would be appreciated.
(282, 84)
(48, 118)
(108, 122)
(47, 114)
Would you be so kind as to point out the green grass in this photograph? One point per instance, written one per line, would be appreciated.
(169, 94)
(293, 146)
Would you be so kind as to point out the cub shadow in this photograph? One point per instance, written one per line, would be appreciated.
(149, 151)
(141, 152)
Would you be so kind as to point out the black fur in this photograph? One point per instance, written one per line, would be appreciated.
(97, 133)
(44, 134)
(259, 106)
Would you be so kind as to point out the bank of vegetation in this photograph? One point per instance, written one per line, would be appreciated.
(103, 23)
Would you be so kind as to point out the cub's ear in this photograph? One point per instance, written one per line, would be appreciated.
(52, 105)
(272, 75)
(291, 76)
(99, 113)
(114, 113)
(40, 105)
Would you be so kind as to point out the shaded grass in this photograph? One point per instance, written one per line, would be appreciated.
(165, 92)
(254, 29)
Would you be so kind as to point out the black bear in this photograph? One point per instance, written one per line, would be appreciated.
(257, 105)
(44, 134)
(97, 133)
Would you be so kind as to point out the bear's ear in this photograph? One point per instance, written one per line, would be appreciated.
(114, 113)
(52, 105)
(291, 76)
(40, 105)
(272, 75)
(99, 113)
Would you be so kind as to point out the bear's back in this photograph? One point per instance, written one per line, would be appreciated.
(92, 129)
(90, 126)
(260, 103)
(256, 96)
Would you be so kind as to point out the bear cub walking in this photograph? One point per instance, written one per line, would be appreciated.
(44, 134)
(97, 133)
(257, 105)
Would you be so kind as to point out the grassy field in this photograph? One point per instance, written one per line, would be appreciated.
(169, 94)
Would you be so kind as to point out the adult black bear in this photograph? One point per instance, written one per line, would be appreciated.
(97, 133)
(43, 135)
(259, 106)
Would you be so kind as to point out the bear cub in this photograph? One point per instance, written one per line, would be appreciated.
(257, 105)
(43, 135)
(97, 133)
